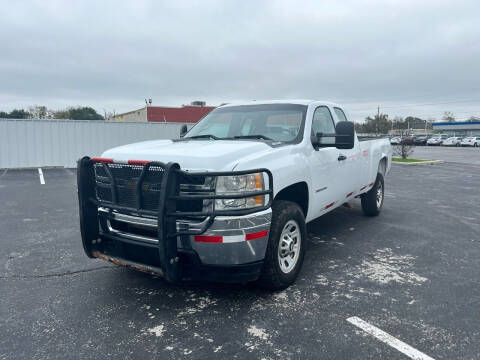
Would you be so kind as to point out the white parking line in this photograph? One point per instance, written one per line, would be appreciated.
(389, 339)
(42, 180)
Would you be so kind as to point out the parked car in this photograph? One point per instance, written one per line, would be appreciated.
(396, 140)
(471, 141)
(421, 139)
(437, 139)
(409, 140)
(229, 202)
(452, 141)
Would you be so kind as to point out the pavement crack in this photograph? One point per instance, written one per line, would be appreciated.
(67, 273)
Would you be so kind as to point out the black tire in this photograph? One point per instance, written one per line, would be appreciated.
(273, 277)
(370, 206)
(475, 145)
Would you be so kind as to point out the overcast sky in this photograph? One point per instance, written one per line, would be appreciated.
(410, 57)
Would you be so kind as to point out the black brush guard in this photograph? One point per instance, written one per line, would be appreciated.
(167, 213)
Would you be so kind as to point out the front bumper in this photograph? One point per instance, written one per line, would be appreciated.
(231, 250)
(215, 245)
(227, 241)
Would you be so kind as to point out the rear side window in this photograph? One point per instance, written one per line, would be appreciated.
(323, 123)
(340, 114)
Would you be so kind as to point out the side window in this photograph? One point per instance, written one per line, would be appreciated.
(340, 114)
(323, 122)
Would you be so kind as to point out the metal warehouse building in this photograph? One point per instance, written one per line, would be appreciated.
(458, 128)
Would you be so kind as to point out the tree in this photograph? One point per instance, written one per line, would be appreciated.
(42, 112)
(61, 114)
(448, 116)
(403, 150)
(38, 112)
(470, 119)
(379, 124)
(358, 128)
(19, 114)
(84, 113)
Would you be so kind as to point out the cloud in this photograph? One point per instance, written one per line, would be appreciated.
(114, 54)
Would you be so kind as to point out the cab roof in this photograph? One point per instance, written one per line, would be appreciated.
(286, 101)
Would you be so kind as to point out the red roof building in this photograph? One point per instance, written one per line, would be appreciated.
(184, 114)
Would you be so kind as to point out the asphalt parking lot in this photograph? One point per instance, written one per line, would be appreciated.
(412, 272)
(463, 155)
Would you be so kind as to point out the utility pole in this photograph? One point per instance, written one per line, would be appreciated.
(378, 119)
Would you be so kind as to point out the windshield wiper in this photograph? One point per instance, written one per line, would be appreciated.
(252, 137)
(205, 136)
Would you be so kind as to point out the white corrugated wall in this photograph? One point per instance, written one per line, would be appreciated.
(37, 143)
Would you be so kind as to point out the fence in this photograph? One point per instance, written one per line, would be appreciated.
(37, 143)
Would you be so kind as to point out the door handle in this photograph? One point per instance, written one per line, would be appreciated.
(342, 157)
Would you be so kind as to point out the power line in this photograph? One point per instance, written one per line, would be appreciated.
(400, 106)
(429, 104)
(432, 96)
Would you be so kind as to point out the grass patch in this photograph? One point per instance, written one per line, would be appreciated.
(397, 159)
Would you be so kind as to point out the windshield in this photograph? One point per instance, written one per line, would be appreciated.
(278, 122)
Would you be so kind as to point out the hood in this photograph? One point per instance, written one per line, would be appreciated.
(212, 155)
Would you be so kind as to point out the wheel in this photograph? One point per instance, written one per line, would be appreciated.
(475, 145)
(286, 246)
(372, 201)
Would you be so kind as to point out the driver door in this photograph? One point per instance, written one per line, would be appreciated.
(324, 164)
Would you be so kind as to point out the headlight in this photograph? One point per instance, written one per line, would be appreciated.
(232, 185)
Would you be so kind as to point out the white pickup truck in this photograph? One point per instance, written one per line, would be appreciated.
(229, 200)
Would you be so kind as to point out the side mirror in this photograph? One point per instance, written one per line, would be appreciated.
(345, 135)
(183, 130)
(320, 140)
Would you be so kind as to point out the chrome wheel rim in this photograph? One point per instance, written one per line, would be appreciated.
(289, 246)
(379, 195)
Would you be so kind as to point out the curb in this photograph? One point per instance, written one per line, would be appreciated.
(428, 162)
